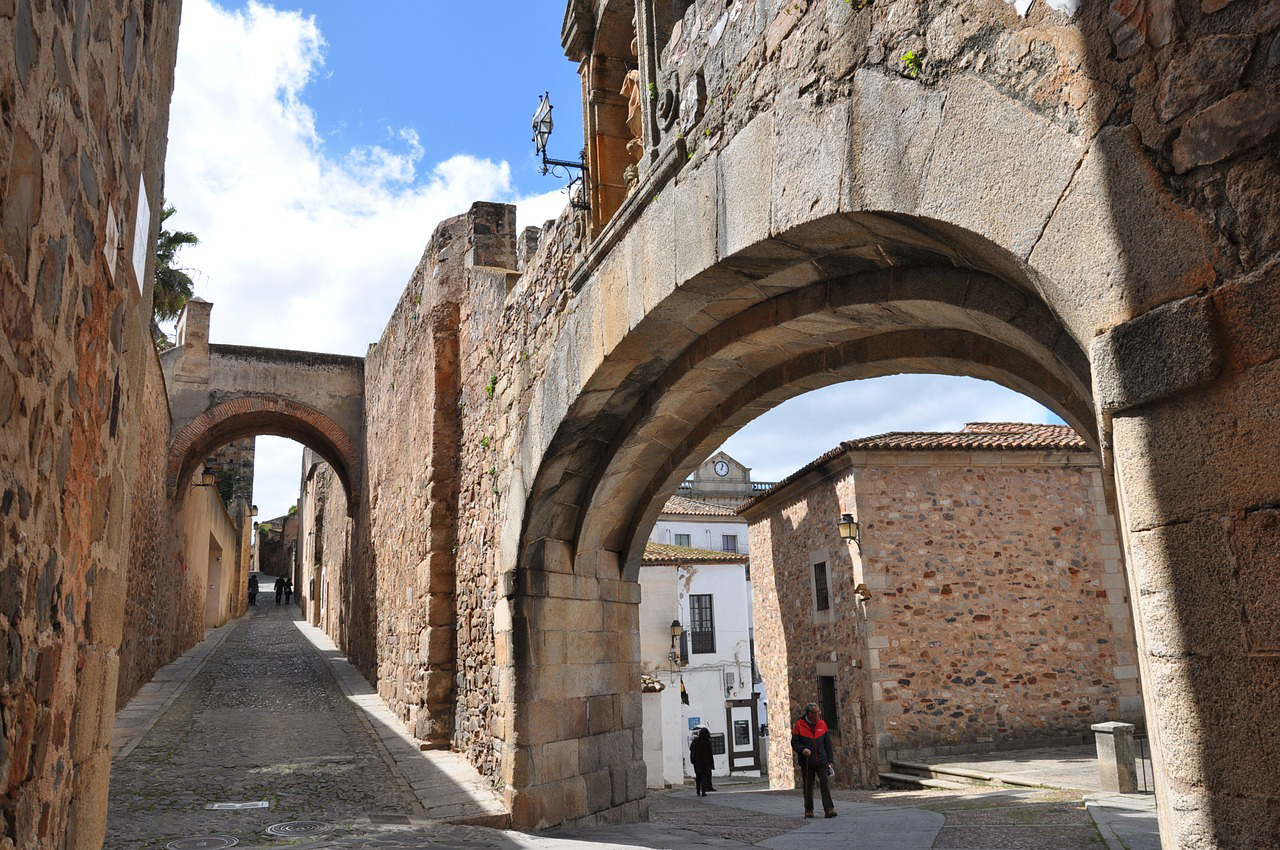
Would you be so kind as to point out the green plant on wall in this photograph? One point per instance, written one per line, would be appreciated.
(491, 386)
(914, 60)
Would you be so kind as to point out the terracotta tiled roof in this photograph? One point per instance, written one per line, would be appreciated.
(976, 435)
(998, 436)
(657, 554)
(692, 507)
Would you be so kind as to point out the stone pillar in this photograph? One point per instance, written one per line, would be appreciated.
(1198, 493)
(193, 339)
(1116, 765)
(578, 749)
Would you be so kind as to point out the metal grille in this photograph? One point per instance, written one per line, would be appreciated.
(827, 701)
(822, 596)
(702, 624)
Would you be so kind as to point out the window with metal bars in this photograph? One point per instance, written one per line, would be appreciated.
(702, 624)
(827, 701)
(821, 593)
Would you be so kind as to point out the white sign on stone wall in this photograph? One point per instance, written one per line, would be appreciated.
(111, 243)
(141, 235)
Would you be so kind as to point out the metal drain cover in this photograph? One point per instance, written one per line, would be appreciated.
(298, 827)
(207, 842)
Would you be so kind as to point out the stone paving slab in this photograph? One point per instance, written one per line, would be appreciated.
(446, 785)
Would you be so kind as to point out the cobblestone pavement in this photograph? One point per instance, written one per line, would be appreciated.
(265, 711)
(263, 720)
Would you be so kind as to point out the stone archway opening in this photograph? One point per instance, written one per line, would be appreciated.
(841, 298)
(252, 416)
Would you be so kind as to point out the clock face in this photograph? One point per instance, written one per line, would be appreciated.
(722, 468)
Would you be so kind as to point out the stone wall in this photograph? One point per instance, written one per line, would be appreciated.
(84, 90)
(794, 647)
(276, 545)
(325, 560)
(997, 615)
(162, 617)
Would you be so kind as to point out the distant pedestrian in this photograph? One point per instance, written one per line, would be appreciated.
(812, 743)
(253, 590)
(279, 585)
(703, 761)
(288, 590)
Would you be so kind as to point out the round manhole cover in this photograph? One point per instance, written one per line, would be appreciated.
(298, 827)
(207, 842)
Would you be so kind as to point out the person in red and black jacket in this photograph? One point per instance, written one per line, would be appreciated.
(812, 743)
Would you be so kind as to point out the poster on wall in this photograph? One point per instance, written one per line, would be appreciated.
(694, 723)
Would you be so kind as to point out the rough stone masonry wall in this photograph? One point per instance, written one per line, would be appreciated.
(794, 645)
(999, 609)
(1197, 81)
(411, 400)
(84, 91)
(162, 617)
(446, 387)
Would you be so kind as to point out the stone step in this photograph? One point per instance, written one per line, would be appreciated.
(964, 775)
(946, 772)
(909, 780)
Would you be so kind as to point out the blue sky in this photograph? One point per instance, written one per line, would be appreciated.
(465, 75)
(314, 146)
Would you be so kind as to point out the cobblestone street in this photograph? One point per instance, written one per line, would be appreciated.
(263, 721)
(265, 711)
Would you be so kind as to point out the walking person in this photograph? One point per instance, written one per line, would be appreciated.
(703, 761)
(279, 586)
(288, 590)
(812, 743)
(253, 590)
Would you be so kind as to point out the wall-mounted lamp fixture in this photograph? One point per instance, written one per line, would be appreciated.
(542, 125)
(849, 530)
(676, 631)
(860, 590)
(206, 480)
(253, 511)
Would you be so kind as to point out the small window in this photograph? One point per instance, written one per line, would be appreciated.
(729, 543)
(827, 700)
(702, 625)
(821, 593)
(682, 540)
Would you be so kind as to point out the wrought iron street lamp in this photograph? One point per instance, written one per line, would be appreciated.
(849, 530)
(542, 125)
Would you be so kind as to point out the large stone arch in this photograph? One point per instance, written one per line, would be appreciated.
(839, 297)
(256, 415)
(901, 319)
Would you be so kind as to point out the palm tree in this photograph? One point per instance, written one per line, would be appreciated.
(173, 286)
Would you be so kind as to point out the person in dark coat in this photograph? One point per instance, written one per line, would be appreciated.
(812, 743)
(703, 761)
(288, 590)
(279, 586)
(253, 590)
